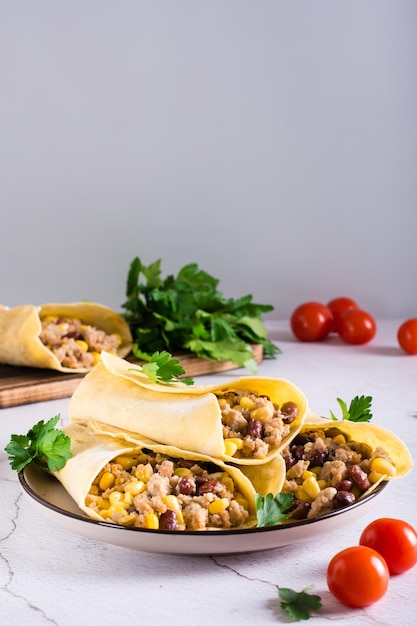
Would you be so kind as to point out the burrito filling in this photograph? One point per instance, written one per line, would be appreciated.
(252, 423)
(152, 490)
(326, 472)
(74, 343)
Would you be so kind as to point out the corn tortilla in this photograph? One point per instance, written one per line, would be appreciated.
(174, 414)
(20, 328)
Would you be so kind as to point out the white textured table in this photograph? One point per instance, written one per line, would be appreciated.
(51, 576)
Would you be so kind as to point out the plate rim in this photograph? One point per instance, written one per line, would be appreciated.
(214, 532)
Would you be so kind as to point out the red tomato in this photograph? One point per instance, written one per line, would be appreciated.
(407, 336)
(311, 321)
(393, 539)
(357, 326)
(358, 576)
(338, 306)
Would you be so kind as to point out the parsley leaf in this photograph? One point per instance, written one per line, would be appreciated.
(359, 409)
(298, 604)
(161, 367)
(270, 510)
(188, 312)
(44, 444)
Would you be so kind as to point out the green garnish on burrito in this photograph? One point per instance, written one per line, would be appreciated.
(64, 337)
(245, 421)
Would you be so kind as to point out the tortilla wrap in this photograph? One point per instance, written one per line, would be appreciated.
(370, 433)
(20, 328)
(174, 414)
(93, 449)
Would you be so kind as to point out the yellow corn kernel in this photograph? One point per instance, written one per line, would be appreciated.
(322, 484)
(308, 474)
(316, 469)
(127, 462)
(383, 466)
(151, 520)
(339, 439)
(144, 472)
(247, 403)
(293, 473)
(311, 487)
(373, 477)
(82, 344)
(96, 357)
(118, 507)
(135, 487)
(173, 504)
(302, 495)
(106, 481)
(104, 513)
(227, 481)
(183, 471)
(115, 497)
(63, 327)
(356, 492)
(48, 319)
(127, 520)
(127, 498)
(262, 413)
(103, 503)
(217, 506)
(232, 445)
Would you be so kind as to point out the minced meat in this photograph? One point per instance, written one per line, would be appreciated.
(154, 491)
(75, 344)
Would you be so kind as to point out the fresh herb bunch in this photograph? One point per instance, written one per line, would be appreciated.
(188, 312)
(45, 445)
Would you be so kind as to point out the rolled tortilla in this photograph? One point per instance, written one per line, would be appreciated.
(116, 393)
(21, 326)
(370, 433)
(93, 451)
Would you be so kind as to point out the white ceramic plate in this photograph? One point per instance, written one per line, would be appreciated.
(50, 499)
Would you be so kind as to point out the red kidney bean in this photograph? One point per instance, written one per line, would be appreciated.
(74, 334)
(316, 457)
(359, 477)
(186, 486)
(208, 486)
(344, 485)
(255, 429)
(301, 510)
(344, 498)
(168, 520)
(290, 411)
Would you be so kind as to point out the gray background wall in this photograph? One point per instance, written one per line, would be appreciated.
(272, 142)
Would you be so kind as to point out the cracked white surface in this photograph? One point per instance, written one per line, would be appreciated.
(49, 576)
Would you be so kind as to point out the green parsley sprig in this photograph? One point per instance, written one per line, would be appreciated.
(298, 604)
(272, 509)
(359, 409)
(47, 446)
(161, 367)
(188, 312)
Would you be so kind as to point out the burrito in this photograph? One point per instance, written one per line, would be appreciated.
(245, 421)
(116, 478)
(332, 464)
(64, 337)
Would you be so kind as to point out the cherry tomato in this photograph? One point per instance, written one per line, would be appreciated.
(338, 306)
(393, 539)
(311, 321)
(356, 326)
(358, 576)
(407, 336)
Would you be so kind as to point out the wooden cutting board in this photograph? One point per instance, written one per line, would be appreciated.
(24, 385)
